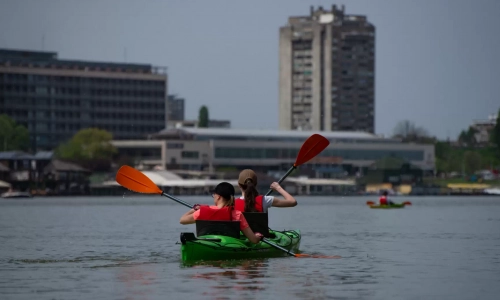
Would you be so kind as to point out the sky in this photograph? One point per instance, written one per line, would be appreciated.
(437, 61)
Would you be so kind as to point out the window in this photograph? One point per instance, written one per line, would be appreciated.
(190, 154)
(346, 154)
(175, 146)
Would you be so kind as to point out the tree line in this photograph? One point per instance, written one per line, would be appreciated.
(466, 155)
(92, 148)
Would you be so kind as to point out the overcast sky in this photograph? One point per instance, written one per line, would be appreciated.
(437, 61)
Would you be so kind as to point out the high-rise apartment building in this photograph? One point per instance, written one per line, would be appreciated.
(175, 108)
(55, 98)
(327, 64)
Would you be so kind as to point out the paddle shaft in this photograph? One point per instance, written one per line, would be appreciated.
(177, 200)
(283, 178)
(278, 247)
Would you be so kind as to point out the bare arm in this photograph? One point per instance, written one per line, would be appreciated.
(187, 218)
(289, 200)
(252, 237)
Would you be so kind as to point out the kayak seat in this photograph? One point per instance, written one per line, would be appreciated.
(259, 222)
(226, 228)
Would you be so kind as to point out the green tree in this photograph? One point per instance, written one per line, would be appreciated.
(203, 117)
(89, 147)
(12, 135)
(472, 162)
(468, 138)
(495, 133)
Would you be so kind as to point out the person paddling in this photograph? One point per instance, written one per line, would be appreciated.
(383, 199)
(222, 210)
(251, 201)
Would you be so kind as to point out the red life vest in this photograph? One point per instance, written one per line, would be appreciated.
(239, 204)
(383, 200)
(212, 214)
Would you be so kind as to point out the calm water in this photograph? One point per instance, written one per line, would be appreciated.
(125, 248)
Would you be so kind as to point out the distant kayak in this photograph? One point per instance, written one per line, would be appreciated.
(400, 205)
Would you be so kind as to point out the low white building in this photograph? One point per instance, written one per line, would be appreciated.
(267, 150)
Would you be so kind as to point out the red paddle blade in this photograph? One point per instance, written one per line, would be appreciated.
(311, 147)
(407, 203)
(136, 181)
(303, 255)
(370, 203)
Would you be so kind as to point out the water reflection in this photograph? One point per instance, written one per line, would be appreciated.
(237, 275)
(139, 281)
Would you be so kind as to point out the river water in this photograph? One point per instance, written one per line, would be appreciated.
(125, 248)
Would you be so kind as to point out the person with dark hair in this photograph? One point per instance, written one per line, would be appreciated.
(222, 210)
(383, 199)
(251, 201)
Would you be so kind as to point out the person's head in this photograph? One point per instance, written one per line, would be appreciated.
(224, 193)
(385, 193)
(247, 182)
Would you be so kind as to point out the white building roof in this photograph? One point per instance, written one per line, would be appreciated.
(320, 181)
(4, 184)
(230, 132)
(166, 178)
(188, 183)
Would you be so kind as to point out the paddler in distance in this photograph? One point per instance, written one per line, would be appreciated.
(383, 199)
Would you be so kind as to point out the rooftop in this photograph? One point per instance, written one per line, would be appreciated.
(193, 133)
(64, 166)
(38, 59)
(20, 155)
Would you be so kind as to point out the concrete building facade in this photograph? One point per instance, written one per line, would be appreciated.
(55, 98)
(268, 150)
(176, 108)
(483, 129)
(326, 72)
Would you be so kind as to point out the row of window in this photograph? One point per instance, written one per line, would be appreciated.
(190, 154)
(128, 116)
(51, 127)
(345, 154)
(45, 114)
(58, 103)
(137, 153)
(288, 139)
(39, 89)
(71, 79)
(125, 104)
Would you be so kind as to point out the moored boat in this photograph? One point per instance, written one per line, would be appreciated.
(16, 195)
(220, 247)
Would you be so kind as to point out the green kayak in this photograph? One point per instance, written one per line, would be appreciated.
(220, 247)
(402, 205)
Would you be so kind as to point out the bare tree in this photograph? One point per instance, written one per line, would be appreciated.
(410, 132)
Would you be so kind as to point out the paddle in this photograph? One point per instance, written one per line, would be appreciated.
(136, 181)
(311, 147)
